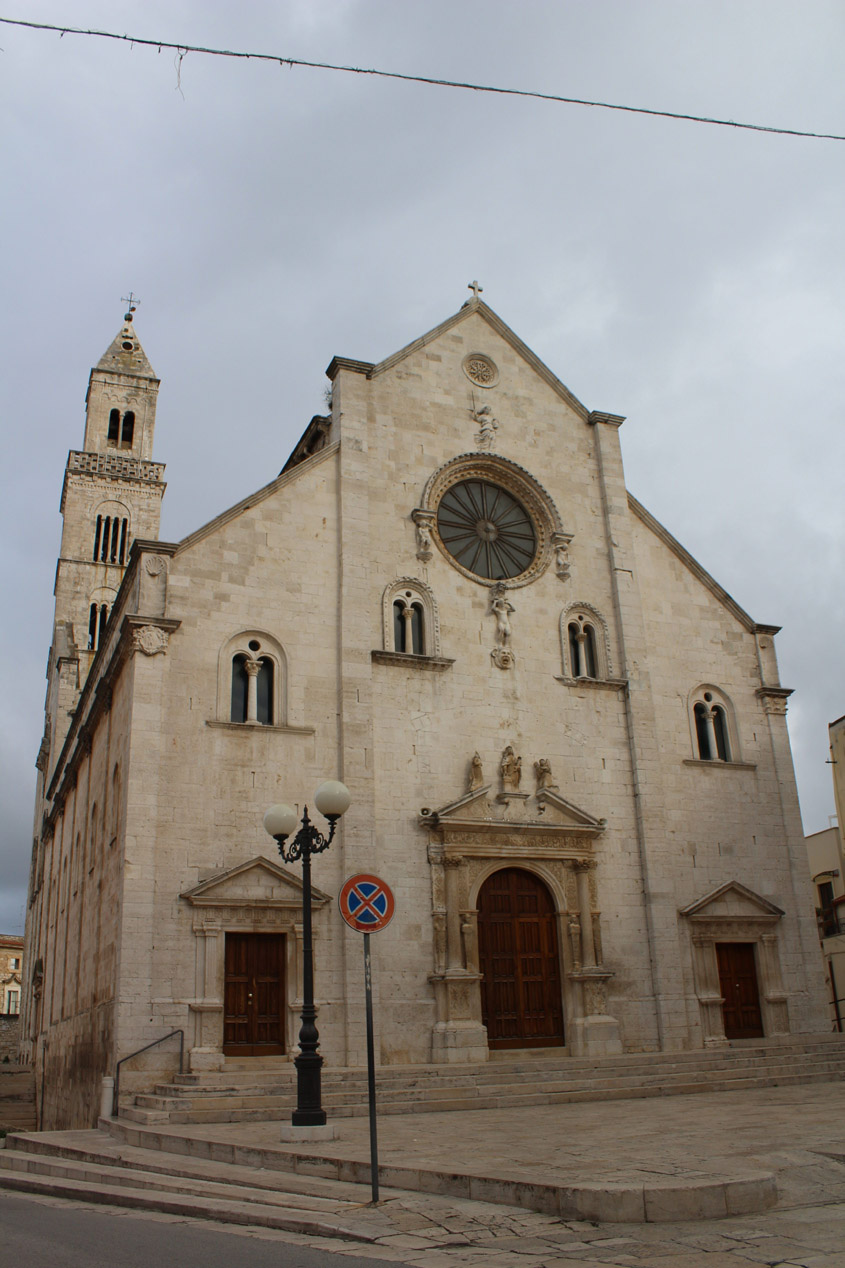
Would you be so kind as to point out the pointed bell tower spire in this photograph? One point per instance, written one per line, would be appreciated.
(112, 494)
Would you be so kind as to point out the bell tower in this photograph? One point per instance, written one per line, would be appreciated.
(112, 494)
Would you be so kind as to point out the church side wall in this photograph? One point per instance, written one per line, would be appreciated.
(72, 929)
(201, 784)
(725, 821)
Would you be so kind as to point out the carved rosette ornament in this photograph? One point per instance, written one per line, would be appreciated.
(481, 369)
(150, 640)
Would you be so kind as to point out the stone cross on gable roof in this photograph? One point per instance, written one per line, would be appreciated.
(475, 288)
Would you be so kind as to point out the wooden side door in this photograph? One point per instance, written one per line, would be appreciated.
(518, 949)
(738, 987)
(254, 995)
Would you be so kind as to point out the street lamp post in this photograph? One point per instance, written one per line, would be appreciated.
(332, 800)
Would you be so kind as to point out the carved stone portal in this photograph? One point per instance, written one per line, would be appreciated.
(544, 834)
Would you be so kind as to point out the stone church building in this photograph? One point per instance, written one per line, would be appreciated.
(566, 744)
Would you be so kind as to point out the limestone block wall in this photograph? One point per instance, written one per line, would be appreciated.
(195, 802)
(9, 1037)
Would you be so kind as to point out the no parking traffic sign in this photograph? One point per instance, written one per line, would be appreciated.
(366, 903)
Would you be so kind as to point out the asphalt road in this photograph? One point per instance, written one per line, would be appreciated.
(36, 1233)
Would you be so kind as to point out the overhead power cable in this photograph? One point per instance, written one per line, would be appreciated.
(182, 49)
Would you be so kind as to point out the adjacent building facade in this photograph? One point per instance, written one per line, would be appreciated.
(566, 744)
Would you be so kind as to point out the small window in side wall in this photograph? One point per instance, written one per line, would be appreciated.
(408, 626)
(128, 429)
(114, 427)
(411, 622)
(98, 619)
(585, 644)
(582, 649)
(713, 727)
(253, 686)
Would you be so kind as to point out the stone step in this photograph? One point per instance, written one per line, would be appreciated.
(258, 1096)
(553, 1060)
(629, 1198)
(218, 1182)
(98, 1147)
(222, 1203)
(354, 1081)
(475, 1100)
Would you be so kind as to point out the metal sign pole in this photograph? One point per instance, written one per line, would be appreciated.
(371, 1069)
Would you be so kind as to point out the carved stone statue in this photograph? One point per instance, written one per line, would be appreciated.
(543, 774)
(501, 609)
(423, 521)
(476, 774)
(487, 427)
(511, 770)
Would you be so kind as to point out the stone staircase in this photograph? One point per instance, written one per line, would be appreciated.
(246, 1091)
(88, 1166)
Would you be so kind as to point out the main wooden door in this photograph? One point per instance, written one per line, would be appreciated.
(738, 987)
(518, 950)
(254, 997)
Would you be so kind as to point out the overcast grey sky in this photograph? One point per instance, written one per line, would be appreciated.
(687, 276)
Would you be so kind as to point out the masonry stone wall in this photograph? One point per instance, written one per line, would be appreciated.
(134, 946)
(9, 1037)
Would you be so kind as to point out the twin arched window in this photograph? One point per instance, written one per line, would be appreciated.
(251, 680)
(98, 619)
(121, 430)
(712, 726)
(584, 642)
(411, 624)
(252, 689)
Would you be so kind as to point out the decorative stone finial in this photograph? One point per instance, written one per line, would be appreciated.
(131, 301)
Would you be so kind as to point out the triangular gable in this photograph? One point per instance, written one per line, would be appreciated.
(695, 567)
(287, 476)
(260, 882)
(732, 899)
(472, 306)
(507, 812)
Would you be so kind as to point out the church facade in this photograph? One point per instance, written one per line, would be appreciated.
(566, 744)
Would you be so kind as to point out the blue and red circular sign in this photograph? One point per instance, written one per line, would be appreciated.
(366, 903)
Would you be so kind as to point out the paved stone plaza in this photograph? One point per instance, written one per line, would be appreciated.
(795, 1134)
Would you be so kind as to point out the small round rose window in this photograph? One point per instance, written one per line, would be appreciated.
(486, 530)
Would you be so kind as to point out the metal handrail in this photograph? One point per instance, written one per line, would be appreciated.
(138, 1052)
